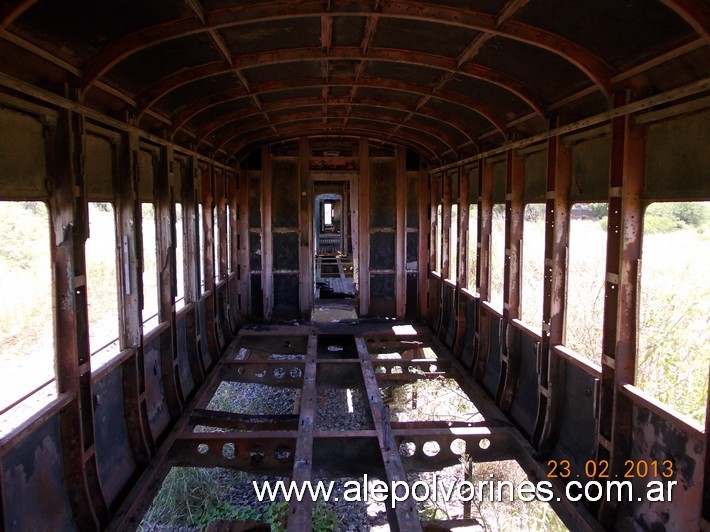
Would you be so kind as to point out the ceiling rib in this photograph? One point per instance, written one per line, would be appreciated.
(598, 72)
(206, 130)
(196, 73)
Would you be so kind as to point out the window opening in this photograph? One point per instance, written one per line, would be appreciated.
(674, 328)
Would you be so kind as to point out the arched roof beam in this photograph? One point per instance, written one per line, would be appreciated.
(266, 135)
(508, 83)
(593, 67)
(187, 76)
(384, 128)
(301, 103)
(9, 11)
(696, 14)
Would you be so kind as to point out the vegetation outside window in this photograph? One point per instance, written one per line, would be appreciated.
(585, 280)
(453, 242)
(101, 280)
(472, 256)
(26, 318)
(150, 268)
(179, 258)
(674, 329)
(533, 265)
(497, 259)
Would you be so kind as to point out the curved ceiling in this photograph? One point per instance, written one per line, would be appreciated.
(225, 76)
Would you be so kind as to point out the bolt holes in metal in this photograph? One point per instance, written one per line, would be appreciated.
(407, 449)
(484, 444)
(282, 453)
(229, 451)
(202, 448)
(256, 456)
(431, 448)
(260, 374)
(458, 446)
(295, 373)
(279, 373)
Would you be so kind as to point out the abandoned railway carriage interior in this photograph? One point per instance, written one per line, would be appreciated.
(318, 239)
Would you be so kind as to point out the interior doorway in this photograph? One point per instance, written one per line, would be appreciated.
(334, 265)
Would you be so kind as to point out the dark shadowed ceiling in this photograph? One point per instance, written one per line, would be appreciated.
(446, 78)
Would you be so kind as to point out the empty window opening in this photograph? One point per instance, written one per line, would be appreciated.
(150, 269)
(217, 257)
(533, 265)
(201, 238)
(229, 241)
(101, 280)
(585, 280)
(26, 318)
(454, 243)
(472, 256)
(179, 258)
(439, 236)
(674, 329)
(497, 258)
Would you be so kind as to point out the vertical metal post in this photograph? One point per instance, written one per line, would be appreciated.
(364, 229)
(557, 217)
(267, 251)
(400, 287)
(483, 266)
(306, 229)
(619, 337)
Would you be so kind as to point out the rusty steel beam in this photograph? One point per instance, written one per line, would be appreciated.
(223, 120)
(187, 76)
(374, 118)
(404, 516)
(380, 83)
(317, 132)
(234, 421)
(300, 512)
(696, 14)
(267, 248)
(597, 71)
(557, 219)
(623, 261)
(363, 202)
(485, 228)
(303, 128)
(512, 279)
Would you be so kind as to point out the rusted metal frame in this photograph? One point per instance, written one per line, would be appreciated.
(233, 264)
(568, 50)
(620, 331)
(424, 248)
(364, 229)
(234, 421)
(376, 122)
(696, 14)
(305, 103)
(208, 201)
(446, 228)
(221, 223)
(167, 85)
(267, 258)
(165, 259)
(575, 516)
(242, 243)
(462, 246)
(299, 517)
(400, 288)
(136, 503)
(483, 267)
(68, 210)
(434, 250)
(673, 95)
(557, 220)
(512, 277)
(404, 516)
(418, 144)
(130, 312)
(306, 296)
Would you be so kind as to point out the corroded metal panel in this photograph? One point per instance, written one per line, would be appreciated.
(523, 409)
(493, 362)
(156, 405)
(113, 451)
(34, 495)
